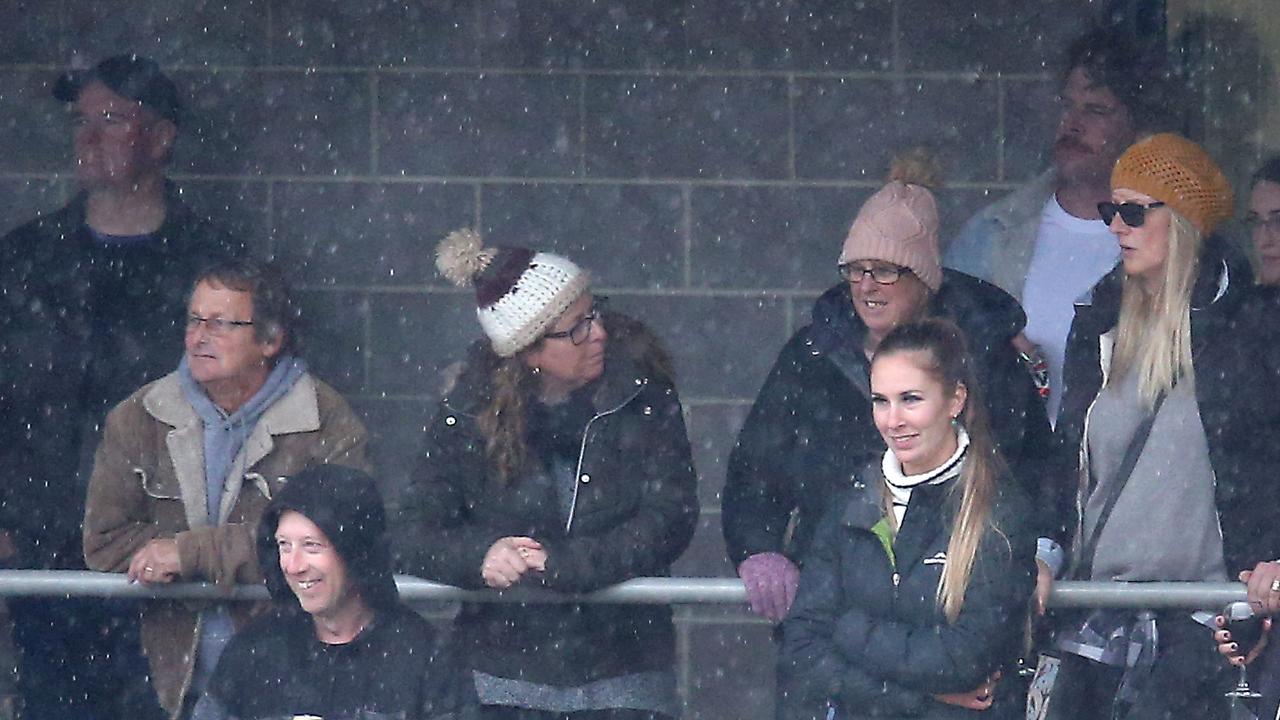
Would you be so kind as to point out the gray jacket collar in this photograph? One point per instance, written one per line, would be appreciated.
(298, 411)
(1014, 245)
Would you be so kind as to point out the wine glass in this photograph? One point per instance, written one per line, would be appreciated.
(1246, 631)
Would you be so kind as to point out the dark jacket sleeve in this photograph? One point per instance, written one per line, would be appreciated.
(653, 537)
(759, 494)
(954, 657)
(435, 535)
(811, 669)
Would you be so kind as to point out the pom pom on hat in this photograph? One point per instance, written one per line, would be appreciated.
(519, 293)
(1180, 174)
(461, 256)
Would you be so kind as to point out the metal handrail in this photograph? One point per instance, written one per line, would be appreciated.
(678, 590)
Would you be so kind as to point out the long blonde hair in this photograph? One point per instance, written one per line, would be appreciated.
(1153, 334)
(941, 346)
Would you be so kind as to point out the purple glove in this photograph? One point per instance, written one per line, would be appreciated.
(771, 581)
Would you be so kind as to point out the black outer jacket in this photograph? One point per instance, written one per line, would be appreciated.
(1235, 346)
(811, 429)
(876, 642)
(635, 512)
(54, 383)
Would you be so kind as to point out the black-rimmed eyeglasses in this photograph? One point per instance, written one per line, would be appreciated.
(581, 330)
(883, 274)
(1133, 214)
(215, 326)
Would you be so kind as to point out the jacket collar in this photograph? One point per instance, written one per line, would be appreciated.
(297, 411)
(1025, 204)
(865, 508)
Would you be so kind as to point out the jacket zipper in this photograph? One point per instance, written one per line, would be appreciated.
(582, 451)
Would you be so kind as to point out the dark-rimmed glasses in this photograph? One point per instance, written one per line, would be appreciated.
(581, 330)
(1271, 223)
(1133, 214)
(215, 326)
(884, 274)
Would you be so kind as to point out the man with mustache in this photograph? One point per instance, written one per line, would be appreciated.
(1044, 243)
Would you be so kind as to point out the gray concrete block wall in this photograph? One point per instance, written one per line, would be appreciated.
(704, 161)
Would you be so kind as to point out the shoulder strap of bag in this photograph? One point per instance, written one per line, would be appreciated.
(1084, 563)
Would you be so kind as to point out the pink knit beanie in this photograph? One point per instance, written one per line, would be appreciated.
(899, 224)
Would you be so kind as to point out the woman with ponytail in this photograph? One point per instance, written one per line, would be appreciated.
(913, 599)
(810, 428)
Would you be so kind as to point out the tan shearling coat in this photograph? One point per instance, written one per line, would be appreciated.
(148, 482)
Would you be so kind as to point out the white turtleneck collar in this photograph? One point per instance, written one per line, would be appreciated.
(900, 485)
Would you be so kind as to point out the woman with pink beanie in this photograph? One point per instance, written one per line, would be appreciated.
(811, 428)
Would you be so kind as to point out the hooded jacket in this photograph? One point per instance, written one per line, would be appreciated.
(277, 668)
(811, 429)
(1235, 350)
(633, 512)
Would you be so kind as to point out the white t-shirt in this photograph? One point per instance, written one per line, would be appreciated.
(1071, 256)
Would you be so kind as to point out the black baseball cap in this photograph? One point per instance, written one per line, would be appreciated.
(132, 76)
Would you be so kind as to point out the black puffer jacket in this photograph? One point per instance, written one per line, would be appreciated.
(1235, 349)
(81, 327)
(811, 427)
(277, 668)
(635, 511)
(868, 634)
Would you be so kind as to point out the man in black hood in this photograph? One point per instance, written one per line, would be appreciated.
(337, 643)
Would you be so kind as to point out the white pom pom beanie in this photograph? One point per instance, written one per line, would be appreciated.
(519, 292)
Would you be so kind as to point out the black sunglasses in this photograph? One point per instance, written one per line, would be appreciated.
(1133, 214)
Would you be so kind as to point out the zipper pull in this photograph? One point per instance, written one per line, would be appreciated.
(896, 579)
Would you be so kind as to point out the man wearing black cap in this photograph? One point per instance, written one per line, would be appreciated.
(91, 307)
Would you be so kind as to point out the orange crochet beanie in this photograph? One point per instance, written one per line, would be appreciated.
(1179, 173)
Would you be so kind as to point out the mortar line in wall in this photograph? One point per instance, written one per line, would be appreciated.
(582, 126)
(366, 352)
(791, 126)
(1001, 88)
(686, 229)
(504, 180)
(683, 651)
(479, 214)
(689, 292)
(961, 75)
(270, 30)
(895, 31)
(270, 239)
(373, 123)
(746, 619)
(788, 324)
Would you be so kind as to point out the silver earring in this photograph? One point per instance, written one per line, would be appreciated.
(537, 370)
